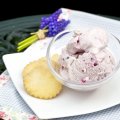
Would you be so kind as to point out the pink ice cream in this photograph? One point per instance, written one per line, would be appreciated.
(86, 57)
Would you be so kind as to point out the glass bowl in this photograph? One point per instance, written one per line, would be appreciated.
(61, 40)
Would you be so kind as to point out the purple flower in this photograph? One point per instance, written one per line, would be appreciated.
(56, 27)
(46, 20)
(52, 24)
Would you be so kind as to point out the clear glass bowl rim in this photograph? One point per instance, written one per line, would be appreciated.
(71, 82)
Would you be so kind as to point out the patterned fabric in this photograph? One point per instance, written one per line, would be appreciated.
(7, 113)
(17, 109)
(4, 77)
(13, 108)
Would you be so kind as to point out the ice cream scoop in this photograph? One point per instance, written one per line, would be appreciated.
(93, 40)
(86, 57)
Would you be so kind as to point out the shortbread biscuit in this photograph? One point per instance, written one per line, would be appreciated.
(55, 58)
(55, 63)
(38, 80)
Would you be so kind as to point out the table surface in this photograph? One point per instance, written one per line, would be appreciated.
(7, 27)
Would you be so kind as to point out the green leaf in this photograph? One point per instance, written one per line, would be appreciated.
(9, 41)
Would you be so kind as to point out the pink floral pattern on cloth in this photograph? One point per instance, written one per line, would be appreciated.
(7, 113)
(4, 77)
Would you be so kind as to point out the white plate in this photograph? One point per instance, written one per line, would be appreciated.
(69, 102)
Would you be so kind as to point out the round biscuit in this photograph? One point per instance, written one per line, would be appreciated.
(39, 82)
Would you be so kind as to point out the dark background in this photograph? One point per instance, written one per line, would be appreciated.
(13, 9)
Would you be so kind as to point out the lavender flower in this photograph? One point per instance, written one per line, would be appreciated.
(52, 24)
(56, 27)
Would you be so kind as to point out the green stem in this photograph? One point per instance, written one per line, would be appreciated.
(24, 44)
(26, 40)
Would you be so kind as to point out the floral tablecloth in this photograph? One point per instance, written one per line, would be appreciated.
(13, 107)
(6, 111)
